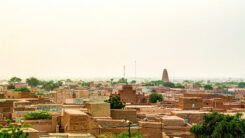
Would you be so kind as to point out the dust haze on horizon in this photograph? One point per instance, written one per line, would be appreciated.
(95, 38)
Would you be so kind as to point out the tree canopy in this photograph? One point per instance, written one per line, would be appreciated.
(33, 82)
(123, 80)
(169, 84)
(98, 85)
(241, 85)
(154, 97)
(116, 102)
(216, 125)
(178, 85)
(86, 84)
(50, 85)
(15, 80)
(208, 87)
(133, 82)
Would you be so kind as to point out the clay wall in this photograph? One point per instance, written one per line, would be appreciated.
(109, 123)
(99, 109)
(127, 94)
(126, 114)
(44, 126)
(190, 103)
(209, 96)
(190, 116)
(151, 129)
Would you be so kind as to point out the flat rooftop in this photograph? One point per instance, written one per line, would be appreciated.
(139, 106)
(75, 112)
(189, 111)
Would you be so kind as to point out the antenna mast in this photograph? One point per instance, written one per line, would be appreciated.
(124, 71)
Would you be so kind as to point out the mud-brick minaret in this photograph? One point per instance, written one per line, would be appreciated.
(165, 76)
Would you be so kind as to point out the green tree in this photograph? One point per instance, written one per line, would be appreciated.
(123, 80)
(33, 82)
(22, 89)
(111, 80)
(68, 80)
(241, 85)
(169, 84)
(208, 87)
(198, 84)
(133, 82)
(11, 86)
(15, 80)
(43, 115)
(86, 84)
(116, 102)
(60, 83)
(216, 125)
(98, 85)
(154, 97)
(178, 85)
(49, 85)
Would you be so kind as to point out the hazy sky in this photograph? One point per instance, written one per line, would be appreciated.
(95, 38)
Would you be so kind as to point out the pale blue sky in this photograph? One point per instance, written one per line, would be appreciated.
(95, 38)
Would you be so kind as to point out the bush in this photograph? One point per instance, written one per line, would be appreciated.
(12, 132)
(134, 134)
(116, 102)
(43, 115)
(22, 89)
(154, 97)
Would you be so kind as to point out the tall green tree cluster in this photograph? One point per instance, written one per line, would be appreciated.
(216, 125)
(15, 80)
(33, 82)
(50, 85)
(208, 87)
(116, 102)
(154, 97)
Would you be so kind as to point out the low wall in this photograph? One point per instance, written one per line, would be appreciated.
(125, 114)
(192, 116)
(151, 129)
(44, 126)
(109, 123)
